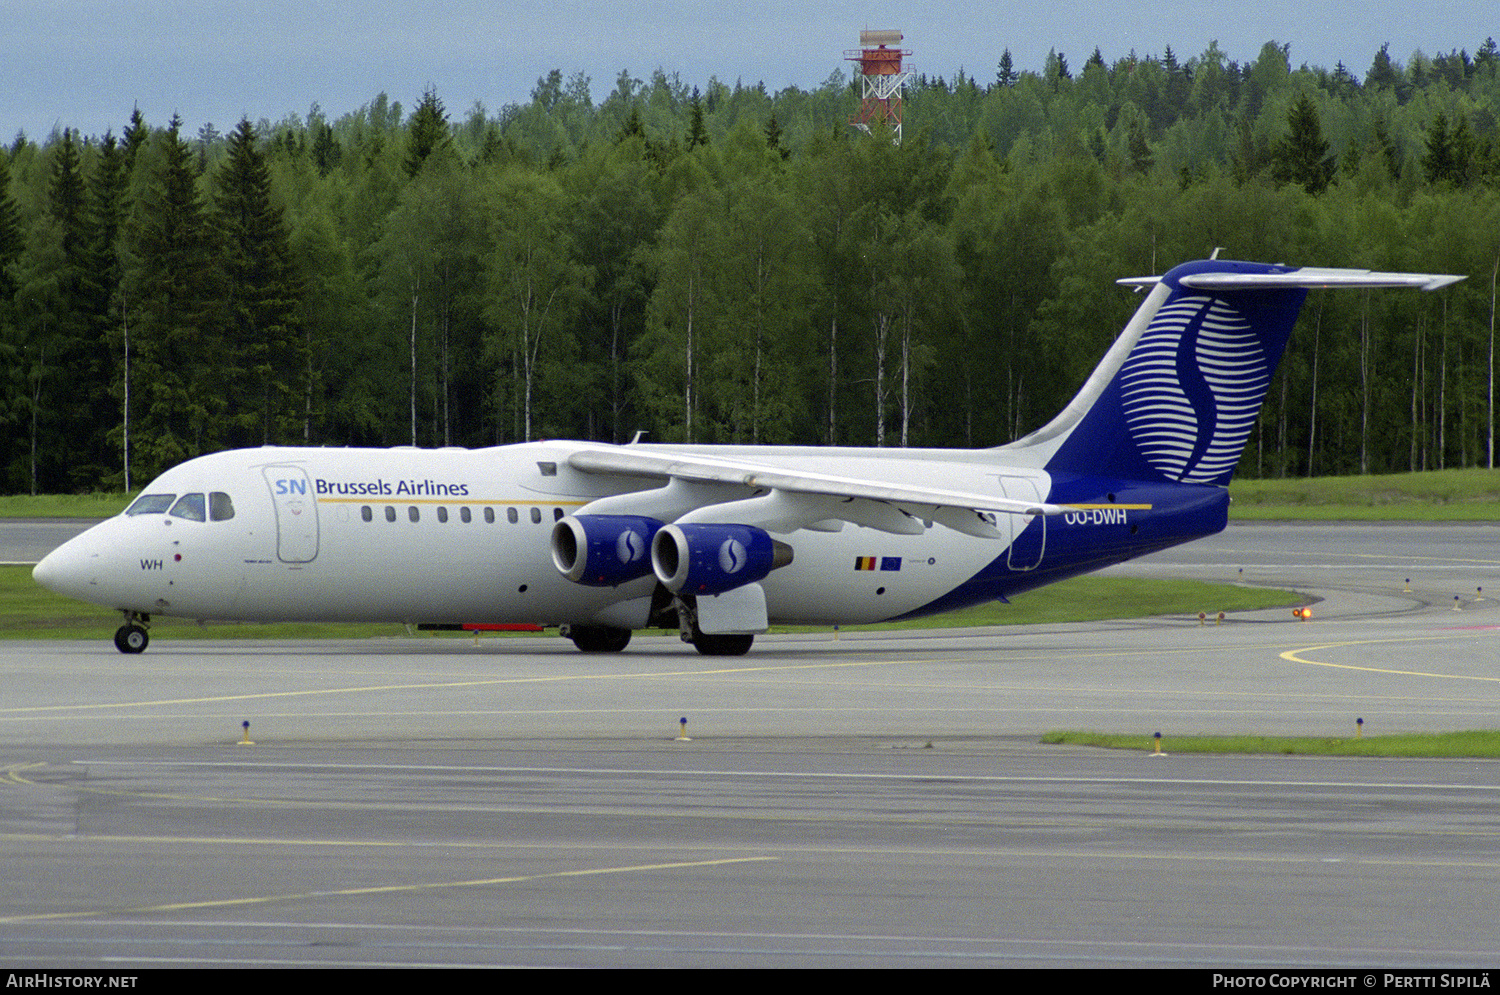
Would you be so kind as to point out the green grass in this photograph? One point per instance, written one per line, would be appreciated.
(1470, 743)
(63, 505)
(1436, 495)
(1093, 599)
(27, 611)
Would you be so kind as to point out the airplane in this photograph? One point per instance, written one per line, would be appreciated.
(718, 541)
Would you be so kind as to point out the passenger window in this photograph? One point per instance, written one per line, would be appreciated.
(413, 514)
(511, 516)
(442, 513)
(463, 513)
(191, 507)
(557, 514)
(220, 508)
(536, 516)
(367, 514)
(390, 513)
(489, 516)
(151, 504)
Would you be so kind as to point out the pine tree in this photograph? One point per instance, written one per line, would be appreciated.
(632, 128)
(1005, 72)
(1385, 74)
(58, 330)
(11, 239)
(65, 196)
(1302, 155)
(180, 370)
(12, 387)
(697, 135)
(1450, 155)
(1437, 161)
(135, 138)
(260, 295)
(326, 152)
(1488, 56)
(1141, 157)
(428, 132)
(774, 135)
(104, 302)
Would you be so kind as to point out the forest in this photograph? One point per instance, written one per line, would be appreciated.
(719, 263)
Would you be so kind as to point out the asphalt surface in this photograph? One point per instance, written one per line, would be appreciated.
(27, 540)
(870, 801)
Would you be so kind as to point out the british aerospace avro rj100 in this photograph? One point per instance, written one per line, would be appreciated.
(720, 541)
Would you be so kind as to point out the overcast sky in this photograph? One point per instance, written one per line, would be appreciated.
(86, 63)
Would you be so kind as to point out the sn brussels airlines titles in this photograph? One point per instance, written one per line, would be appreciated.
(376, 488)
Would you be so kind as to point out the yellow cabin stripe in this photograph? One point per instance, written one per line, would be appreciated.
(455, 501)
(1124, 507)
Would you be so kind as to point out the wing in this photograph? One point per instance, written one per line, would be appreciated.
(709, 489)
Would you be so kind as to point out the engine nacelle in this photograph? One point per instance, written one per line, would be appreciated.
(603, 550)
(711, 559)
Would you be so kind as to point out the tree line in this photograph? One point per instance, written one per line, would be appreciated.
(732, 265)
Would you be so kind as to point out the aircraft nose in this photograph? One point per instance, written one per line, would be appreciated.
(66, 570)
(45, 572)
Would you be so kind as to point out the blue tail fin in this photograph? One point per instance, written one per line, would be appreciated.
(1177, 395)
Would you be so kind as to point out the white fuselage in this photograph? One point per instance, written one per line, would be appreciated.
(463, 536)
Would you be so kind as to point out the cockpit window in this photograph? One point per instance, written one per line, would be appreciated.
(191, 507)
(151, 504)
(220, 508)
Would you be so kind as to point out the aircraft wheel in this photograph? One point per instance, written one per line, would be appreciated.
(732, 645)
(132, 639)
(599, 638)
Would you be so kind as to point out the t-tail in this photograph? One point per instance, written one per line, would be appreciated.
(1175, 398)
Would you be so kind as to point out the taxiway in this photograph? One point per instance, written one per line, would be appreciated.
(871, 800)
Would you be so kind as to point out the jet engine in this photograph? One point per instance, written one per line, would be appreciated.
(711, 559)
(603, 550)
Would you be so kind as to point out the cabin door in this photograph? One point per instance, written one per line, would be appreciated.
(1029, 531)
(296, 513)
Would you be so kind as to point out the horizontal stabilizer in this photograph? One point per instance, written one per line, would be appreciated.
(1306, 278)
(1179, 393)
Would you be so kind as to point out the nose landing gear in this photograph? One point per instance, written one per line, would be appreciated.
(132, 637)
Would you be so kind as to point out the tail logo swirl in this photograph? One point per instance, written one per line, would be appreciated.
(1192, 389)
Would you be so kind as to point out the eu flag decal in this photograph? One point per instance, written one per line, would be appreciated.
(890, 563)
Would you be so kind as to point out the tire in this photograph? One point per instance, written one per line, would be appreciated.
(132, 639)
(731, 645)
(599, 638)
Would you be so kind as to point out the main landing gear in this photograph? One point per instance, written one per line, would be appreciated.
(734, 644)
(132, 637)
(725, 644)
(598, 638)
(608, 639)
(667, 610)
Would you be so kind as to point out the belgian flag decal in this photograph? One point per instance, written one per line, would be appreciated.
(877, 563)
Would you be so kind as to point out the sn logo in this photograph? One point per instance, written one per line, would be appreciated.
(291, 487)
(629, 546)
(732, 556)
